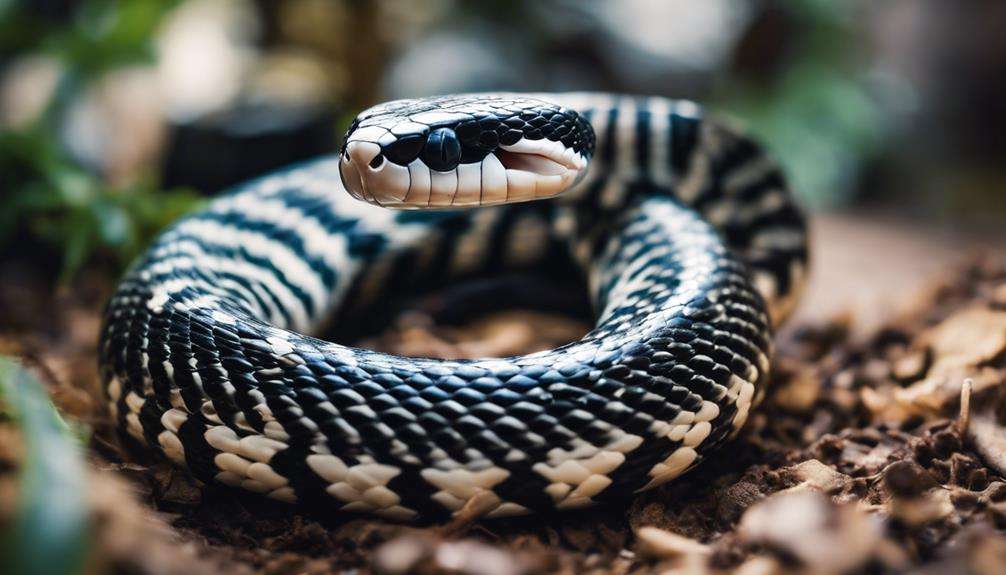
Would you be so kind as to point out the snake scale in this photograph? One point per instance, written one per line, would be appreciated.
(682, 229)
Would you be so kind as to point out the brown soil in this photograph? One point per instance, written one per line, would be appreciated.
(861, 459)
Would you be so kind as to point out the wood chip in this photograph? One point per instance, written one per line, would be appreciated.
(820, 476)
(662, 544)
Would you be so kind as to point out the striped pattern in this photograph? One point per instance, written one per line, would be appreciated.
(691, 249)
(648, 143)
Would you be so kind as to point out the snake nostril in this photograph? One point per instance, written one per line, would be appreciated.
(443, 150)
(377, 162)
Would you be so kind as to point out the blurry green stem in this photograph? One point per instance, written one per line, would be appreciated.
(48, 534)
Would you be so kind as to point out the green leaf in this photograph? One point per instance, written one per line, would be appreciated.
(108, 34)
(48, 535)
(79, 243)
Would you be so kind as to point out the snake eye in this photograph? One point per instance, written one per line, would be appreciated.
(443, 150)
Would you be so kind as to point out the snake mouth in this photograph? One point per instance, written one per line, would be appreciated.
(537, 169)
(532, 163)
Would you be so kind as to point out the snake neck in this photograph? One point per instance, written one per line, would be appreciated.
(656, 145)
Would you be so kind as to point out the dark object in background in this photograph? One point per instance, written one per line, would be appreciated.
(250, 139)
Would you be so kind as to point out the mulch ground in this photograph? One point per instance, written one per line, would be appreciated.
(862, 458)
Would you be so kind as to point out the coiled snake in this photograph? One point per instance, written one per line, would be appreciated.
(684, 232)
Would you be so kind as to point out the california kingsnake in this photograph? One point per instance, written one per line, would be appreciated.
(684, 232)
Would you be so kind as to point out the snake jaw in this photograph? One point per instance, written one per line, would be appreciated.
(523, 171)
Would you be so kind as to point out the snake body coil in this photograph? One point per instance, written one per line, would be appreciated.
(689, 242)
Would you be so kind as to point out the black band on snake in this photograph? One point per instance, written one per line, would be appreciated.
(685, 234)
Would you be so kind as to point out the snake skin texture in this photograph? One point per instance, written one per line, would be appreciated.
(683, 231)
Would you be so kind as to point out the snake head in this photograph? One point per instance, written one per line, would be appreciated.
(464, 151)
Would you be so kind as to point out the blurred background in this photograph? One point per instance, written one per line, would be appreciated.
(116, 117)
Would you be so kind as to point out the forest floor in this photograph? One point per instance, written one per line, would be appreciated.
(862, 457)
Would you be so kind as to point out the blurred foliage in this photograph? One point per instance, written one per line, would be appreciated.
(48, 534)
(98, 35)
(59, 203)
(49, 197)
(817, 115)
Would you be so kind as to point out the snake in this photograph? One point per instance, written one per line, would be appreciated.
(216, 348)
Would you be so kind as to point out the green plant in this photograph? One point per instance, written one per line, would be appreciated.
(48, 534)
(48, 197)
(62, 205)
(818, 114)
